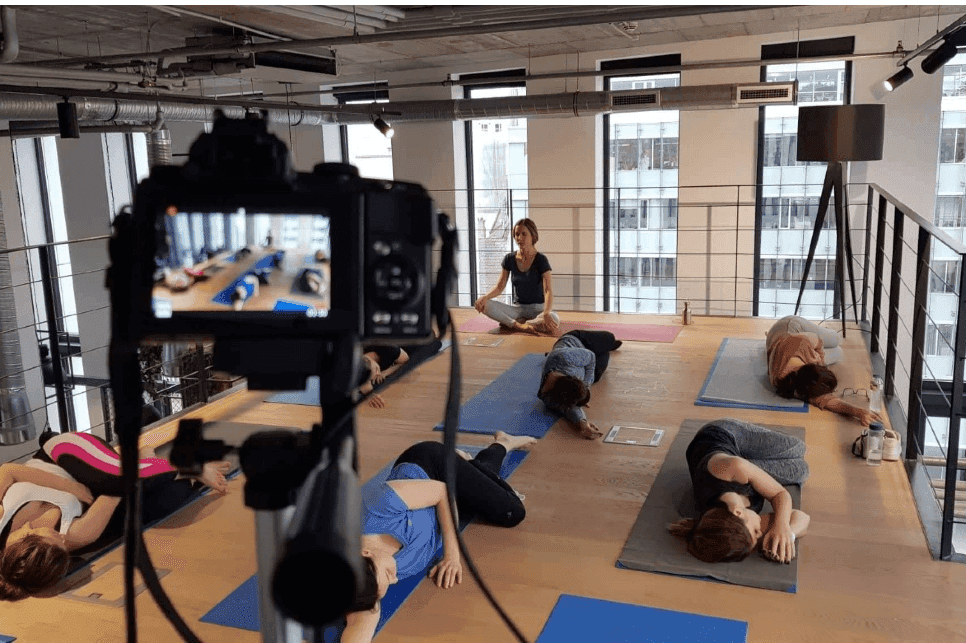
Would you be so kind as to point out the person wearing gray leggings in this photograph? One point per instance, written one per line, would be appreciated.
(734, 467)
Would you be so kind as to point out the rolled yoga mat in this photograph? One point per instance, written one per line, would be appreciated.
(651, 548)
(739, 379)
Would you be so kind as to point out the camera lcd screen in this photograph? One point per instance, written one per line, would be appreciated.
(275, 262)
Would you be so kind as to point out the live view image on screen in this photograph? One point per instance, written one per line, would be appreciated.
(234, 261)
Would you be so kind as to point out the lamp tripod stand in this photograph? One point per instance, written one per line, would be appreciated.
(833, 134)
(843, 240)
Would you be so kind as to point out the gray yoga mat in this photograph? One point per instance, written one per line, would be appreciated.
(739, 379)
(651, 548)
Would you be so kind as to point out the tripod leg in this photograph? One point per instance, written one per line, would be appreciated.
(819, 222)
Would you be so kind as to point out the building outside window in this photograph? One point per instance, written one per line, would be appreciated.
(642, 202)
(790, 193)
(362, 144)
(499, 184)
(950, 197)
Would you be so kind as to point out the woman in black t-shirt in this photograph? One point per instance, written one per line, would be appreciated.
(529, 272)
(734, 466)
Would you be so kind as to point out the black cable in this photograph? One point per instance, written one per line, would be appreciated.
(449, 450)
(150, 576)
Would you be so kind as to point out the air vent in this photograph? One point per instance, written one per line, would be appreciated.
(766, 93)
(642, 99)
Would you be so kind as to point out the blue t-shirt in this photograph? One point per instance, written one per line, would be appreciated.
(384, 512)
(527, 286)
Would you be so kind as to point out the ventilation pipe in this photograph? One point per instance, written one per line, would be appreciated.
(16, 419)
(11, 43)
(32, 107)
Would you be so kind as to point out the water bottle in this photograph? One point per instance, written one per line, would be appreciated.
(686, 314)
(875, 394)
(874, 441)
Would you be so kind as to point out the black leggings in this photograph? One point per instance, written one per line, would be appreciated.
(480, 492)
(601, 343)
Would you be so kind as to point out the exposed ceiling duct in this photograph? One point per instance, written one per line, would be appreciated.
(97, 110)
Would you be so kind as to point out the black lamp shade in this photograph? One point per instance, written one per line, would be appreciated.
(841, 132)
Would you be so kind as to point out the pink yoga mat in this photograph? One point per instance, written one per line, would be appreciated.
(632, 332)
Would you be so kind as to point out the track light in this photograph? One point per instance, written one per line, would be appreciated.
(897, 79)
(383, 127)
(939, 57)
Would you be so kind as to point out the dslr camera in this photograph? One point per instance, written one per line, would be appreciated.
(236, 245)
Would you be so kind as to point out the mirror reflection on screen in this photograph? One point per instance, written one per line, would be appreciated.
(238, 261)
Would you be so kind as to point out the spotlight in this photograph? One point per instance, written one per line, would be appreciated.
(939, 57)
(897, 79)
(383, 127)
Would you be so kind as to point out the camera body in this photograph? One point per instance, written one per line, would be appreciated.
(235, 245)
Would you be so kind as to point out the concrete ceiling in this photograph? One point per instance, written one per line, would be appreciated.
(370, 41)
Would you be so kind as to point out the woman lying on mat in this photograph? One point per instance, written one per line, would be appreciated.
(798, 354)
(734, 466)
(43, 516)
(532, 279)
(380, 362)
(577, 360)
(407, 518)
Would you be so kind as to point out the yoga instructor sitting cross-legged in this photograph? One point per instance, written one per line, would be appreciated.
(529, 271)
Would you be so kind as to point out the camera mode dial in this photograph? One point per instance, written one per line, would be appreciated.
(394, 280)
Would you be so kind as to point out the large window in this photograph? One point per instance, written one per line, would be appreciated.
(498, 178)
(641, 156)
(362, 144)
(790, 189)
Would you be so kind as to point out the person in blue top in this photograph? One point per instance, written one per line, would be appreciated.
(734, 466)
(532, 279)
(406, 519)
(577, 360)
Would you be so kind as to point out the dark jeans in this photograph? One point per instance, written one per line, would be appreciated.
(480, 492)
(601, 343)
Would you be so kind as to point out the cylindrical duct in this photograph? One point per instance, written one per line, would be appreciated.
(16, 419)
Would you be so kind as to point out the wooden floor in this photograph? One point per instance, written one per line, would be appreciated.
(866, 573)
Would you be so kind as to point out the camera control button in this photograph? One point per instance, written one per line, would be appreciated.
(409, 318)
(381, 248)
(381, 318)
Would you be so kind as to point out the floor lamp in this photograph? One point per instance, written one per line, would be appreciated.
(834, 134)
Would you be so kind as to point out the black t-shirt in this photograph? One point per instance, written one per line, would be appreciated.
(527, 286)
(709, 440)
(385, 355)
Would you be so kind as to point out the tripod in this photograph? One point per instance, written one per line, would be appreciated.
(843, 237)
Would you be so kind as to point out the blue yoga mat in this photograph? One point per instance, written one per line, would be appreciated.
(577, 618)
(240, 608)
(739, 379)
(283, 305)
(510, 403)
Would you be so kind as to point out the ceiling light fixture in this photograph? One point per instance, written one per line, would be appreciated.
(897, 79)
(939, 57)
(384, 127)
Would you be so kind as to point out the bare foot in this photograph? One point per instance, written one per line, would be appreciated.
(213, 475)
(463, 454)
(512, 442)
